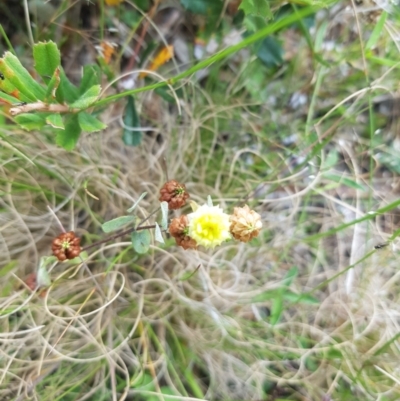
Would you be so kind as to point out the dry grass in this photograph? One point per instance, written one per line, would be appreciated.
(123, 326)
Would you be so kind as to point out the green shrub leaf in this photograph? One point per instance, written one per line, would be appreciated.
(31, 121)
(256, 7)
(47, 58)
(53, 85)
(91, 77)
(66, 91)
(88, 98)
(19, 77)
(55, 120)
(7, 98)
(68, 137)
(89, 123)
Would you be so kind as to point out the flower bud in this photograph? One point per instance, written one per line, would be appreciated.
(66, 246)
(174, 193)
(179, 230)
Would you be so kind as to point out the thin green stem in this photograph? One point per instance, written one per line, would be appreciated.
(368, 216)
(268, 30)
(5, 37)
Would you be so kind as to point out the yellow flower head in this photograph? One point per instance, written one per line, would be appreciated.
(209, 226)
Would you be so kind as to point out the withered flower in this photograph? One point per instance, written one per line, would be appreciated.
(66, 246)
(245, 224)
(179, 230)
(174, 193)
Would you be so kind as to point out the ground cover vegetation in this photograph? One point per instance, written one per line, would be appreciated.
(199, 200)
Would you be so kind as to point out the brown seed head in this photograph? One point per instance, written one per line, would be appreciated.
(245, 224)
(179, 230)
(174, 193)
(66, 246)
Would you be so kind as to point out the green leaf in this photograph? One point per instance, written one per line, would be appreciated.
(256, 7)
(266, 295)
(158, 234)
(131, 209)
(165, 93)
(53, 85)
(331, 159)
(91, 77)
(344, 180)
(300, 298)
(141, 241)
(276, 310)
(116, 224)
(47, 58)
(204, 7)
(290, 276)
(373, 39)
(42, 277)
(89, 123)
(55, 120)
(19, 77)
(254, 23)
(8, 268)
(8, 99)
(132, 135)
(66, 91)
(68, 137)
(164, 215)
(270, 52)
(88, 98)
(30, 121)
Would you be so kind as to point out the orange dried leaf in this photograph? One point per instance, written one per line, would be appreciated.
(106, 50)
(113, 2)
(163, 56)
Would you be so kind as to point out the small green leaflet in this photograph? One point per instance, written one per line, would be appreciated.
(88, 98)
(42, 277)
(141, 241)
(344, 180)
(158, 234)
(89, 123)
(31, 121)
(55, 120)
(68, 137)
(116, 224)
(164, 213)
(131, 209)
(256, 7)
(47, 58)
(8, 268)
